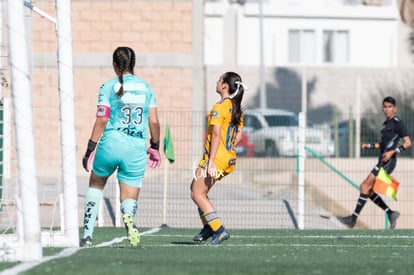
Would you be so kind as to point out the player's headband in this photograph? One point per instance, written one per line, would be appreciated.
(238, 83)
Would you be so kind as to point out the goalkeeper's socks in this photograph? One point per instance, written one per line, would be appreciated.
(92, 202)
(213, 220)
(129, 206)
(202, 218)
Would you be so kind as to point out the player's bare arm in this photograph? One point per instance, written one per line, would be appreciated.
(98, 128)
(238, 138)
(215, 141)
(154, 125)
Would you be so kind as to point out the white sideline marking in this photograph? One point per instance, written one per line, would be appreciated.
(284, 245)
(65, 253)
(303, 236)
(26, 266)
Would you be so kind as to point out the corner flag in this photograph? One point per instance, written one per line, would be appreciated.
(168, 146)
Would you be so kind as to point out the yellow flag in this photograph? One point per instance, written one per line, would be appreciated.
(385, 184)
(168, 146)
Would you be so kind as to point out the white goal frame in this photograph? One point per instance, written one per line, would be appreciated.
(27, 242)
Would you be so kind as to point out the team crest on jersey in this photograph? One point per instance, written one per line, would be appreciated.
(214, 114)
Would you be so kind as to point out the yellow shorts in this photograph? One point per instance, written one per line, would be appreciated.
(222, 169)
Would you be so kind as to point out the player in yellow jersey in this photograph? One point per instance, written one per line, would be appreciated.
(225, 123)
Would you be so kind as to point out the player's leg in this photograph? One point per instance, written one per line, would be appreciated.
(104, 165)
(92, 201)
(365, 188)
(205, 232)
(200, 186)
(220, 232)
(375, 198)
(392, 215)
(128, 198)
(132, 165)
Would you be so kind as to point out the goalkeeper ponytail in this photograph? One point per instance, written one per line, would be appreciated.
(124, 62)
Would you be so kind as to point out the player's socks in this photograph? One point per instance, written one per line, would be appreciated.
(213, 220)
(362, 200)
(202, 218)
(206, 232)
(129, 209)
(129, 206)
(92, 201)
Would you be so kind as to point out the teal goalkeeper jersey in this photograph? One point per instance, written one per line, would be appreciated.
(129, 113)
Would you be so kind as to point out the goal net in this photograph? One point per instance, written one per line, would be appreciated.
(38, 150)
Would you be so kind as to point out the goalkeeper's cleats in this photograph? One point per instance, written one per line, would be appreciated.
(86, 242)
(220, 236)
(393, 218)
(132, 230)
(348, 221)
(204, 234)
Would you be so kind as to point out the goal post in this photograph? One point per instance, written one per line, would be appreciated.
(67, 122)
(23, 238)
(30, 248)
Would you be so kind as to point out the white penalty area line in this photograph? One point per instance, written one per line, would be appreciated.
(66, 253)
(121, 239)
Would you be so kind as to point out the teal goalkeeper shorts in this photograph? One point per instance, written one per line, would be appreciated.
(118, 151)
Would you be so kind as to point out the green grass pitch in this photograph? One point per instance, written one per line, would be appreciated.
(171, 251)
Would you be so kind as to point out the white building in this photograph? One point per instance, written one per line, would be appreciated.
(302, 32)
(348, 48)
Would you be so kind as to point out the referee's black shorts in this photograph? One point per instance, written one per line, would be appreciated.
(389, 166)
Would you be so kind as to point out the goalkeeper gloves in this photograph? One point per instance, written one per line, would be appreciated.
(154, 158)
(88, 156)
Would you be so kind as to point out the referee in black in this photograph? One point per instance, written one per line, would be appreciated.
(394, 140)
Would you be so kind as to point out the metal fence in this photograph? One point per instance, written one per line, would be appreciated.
(261, 193)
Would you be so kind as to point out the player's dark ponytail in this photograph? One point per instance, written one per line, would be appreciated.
(236, 91)
(124, 59)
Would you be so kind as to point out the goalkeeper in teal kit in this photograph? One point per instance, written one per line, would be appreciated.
(118, 142)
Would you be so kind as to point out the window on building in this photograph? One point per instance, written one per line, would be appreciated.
(301, 46)
(336, 47)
